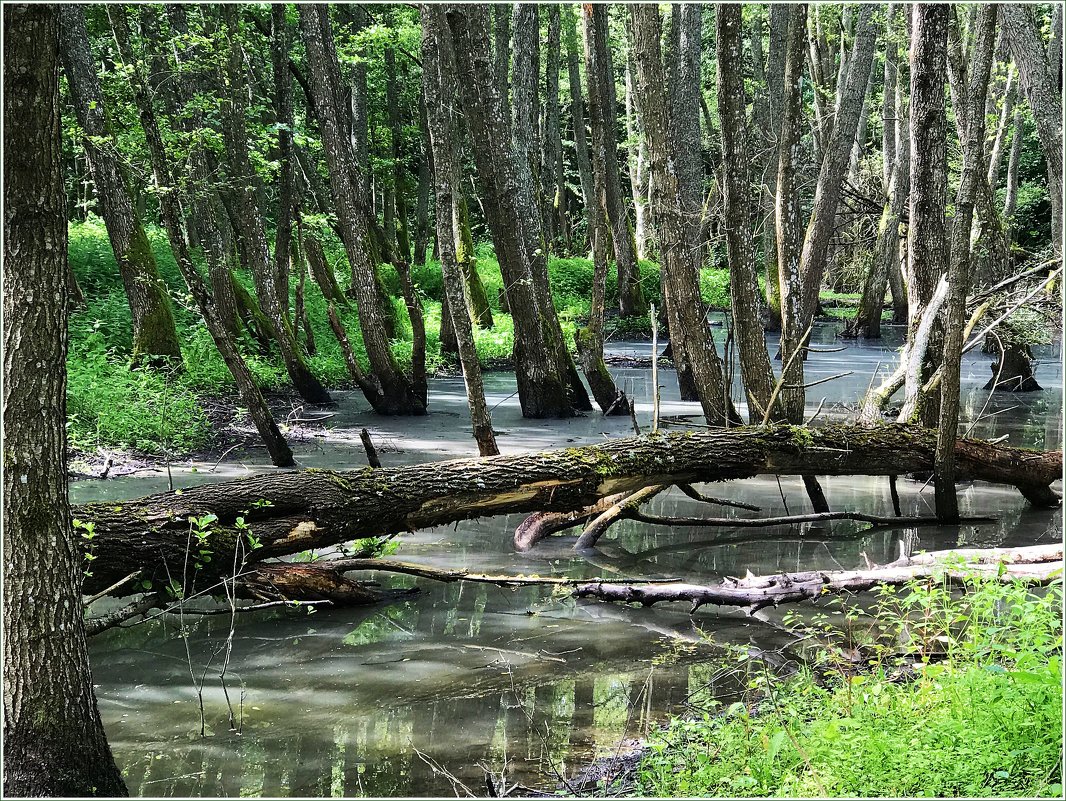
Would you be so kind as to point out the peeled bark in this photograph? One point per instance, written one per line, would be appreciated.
(318, 508)
(54, 741)
(154, 333)
(690, 335)
(1038, 564)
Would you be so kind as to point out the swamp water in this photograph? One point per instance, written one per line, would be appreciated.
(412, 697)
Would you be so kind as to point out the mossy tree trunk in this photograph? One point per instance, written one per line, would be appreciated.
(440, 94)
(170, 214)
(319, 508)
(154, 332)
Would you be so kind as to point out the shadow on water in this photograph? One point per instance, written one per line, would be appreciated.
(410, 698)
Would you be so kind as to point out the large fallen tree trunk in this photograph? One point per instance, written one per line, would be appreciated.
(290, 512)
(1038, 564)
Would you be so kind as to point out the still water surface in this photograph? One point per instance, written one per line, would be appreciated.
(464, 678)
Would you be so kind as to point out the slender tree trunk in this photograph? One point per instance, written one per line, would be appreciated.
(541, 385)
(787, 216)
(577, 111)
(54, 742)
(425, 187)
(551, 139)
(851, 89)
(611, 400)
(867, 321)
(598, 67)
(1041, 87)
(757, 374)
(501, 32)
(638, 168)
(154, 332)
(280, 45)
(249, 219)
(170, 214)
(440, 100)
(690, 335)
(1010, 199)
(927, 243)
(480, 310)
(973, 171)
(395, 393)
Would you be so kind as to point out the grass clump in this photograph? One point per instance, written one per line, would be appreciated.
(958, 695)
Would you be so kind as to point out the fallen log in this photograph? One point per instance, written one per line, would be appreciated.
(1038, 564)
(278, 514)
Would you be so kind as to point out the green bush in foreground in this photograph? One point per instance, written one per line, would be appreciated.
(978, 714)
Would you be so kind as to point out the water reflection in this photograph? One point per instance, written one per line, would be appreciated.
(462, 679)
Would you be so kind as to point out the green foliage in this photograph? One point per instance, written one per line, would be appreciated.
(962, 697)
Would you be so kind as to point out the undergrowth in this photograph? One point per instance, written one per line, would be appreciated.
(931, 692)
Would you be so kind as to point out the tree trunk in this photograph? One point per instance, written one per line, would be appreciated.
(542, 389)
(154, 333)
(54, 742)
(553, 190)
(638, 169)
(395, 393)
(280, 46)
(501, 32)
(610, 399)
(316, 509)
(973, 171)
(1045, 99)
(598, 67)
(1013, 370)
(577, 112)
(425, 188)
(690, 334)
(170, 214)
(927, 243)
(440, 100)
(851, 91)
(249, 219)
(478, 297)
(787, 218)
(757, 374)
(525, 43)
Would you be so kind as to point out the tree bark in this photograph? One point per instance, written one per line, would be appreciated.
(851, 90)
(1036, 564)
(54, 741)
(577, 112)
(927, 243)
(598, 68)
(787, 218)
(552, 186)
(525, 44)
(757, 374)
(440, 100)
(317, 508)
(973, 171)
(154, 332)
(542, 387)
(690, 336)
(395, 394)
(610, 399)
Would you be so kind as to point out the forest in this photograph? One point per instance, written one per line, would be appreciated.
(532, 400)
